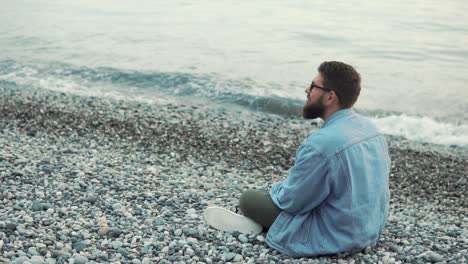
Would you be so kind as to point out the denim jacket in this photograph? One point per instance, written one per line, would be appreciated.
(336, 196)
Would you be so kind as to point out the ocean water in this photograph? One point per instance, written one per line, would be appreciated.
(412, 55)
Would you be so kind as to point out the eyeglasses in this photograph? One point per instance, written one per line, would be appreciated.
(312, 85)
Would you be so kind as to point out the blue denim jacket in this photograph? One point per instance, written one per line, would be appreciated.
(336, 196)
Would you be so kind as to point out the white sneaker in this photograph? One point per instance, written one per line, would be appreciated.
(223, 219)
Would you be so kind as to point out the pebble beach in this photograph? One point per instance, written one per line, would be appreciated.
(99, 180)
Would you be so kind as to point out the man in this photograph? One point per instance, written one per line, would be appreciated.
(336, 196)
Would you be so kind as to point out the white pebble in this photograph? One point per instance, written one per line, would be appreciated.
(165, 249)
(385, 259)
(178, 232)
(36, 260)
(189, 251)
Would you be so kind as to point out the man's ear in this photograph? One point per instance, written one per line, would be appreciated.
(333, 98)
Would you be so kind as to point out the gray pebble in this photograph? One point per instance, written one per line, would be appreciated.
(434, 257)
(230, 256)
(80, 259)
(37, 260)
(189, 251)
(11, 226)
(115, 232)
(122, 251)
(243, 238)
(116, 244)
(33, 252)
(165, 249)
(91, 199)
(60, 253)
(79, 246)
(158, 221)
(46, 206)
(238, 258)
(21, 260)
(117, 206)
(396, 249)
(17, 173)
(36, 206)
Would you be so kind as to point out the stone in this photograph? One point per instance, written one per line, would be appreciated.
(80, 259)
(60, 253)
(396, 249)
(36, 206)
(21, 260)
(116, 244)
(11, 226)
(158, 221)
(238, 258)
(192, 240)
(122, 251)
(31, 133)
(46, 206)
(189, 251)
(117, 206)
(367, 250)
(103, 230)
(193, 232)
(178, 232)
(33, 252)
(79, 246)
(115, 232)
(149, 222)
(242, 238)
(434, 257)
(165, 249)
(17, 173)
(91, 199)
(230, 256)
(37, 260)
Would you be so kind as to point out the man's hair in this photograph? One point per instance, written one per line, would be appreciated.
(343, 79)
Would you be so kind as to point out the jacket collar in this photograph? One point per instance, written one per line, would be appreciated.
(338, 115)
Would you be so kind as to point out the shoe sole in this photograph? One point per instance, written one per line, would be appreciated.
(225, 220)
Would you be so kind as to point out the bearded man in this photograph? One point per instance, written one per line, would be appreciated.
(336, 196)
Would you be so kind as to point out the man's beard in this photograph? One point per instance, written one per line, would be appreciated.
(313, 110)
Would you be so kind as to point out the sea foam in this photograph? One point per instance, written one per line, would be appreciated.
(424, 129)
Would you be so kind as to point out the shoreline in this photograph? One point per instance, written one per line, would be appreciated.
(72, 165)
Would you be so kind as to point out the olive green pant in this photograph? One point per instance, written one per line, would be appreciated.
(258, 206)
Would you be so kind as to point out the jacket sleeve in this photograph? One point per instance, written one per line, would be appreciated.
(307, 184)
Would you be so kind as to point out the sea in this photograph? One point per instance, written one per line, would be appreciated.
(259, 55)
